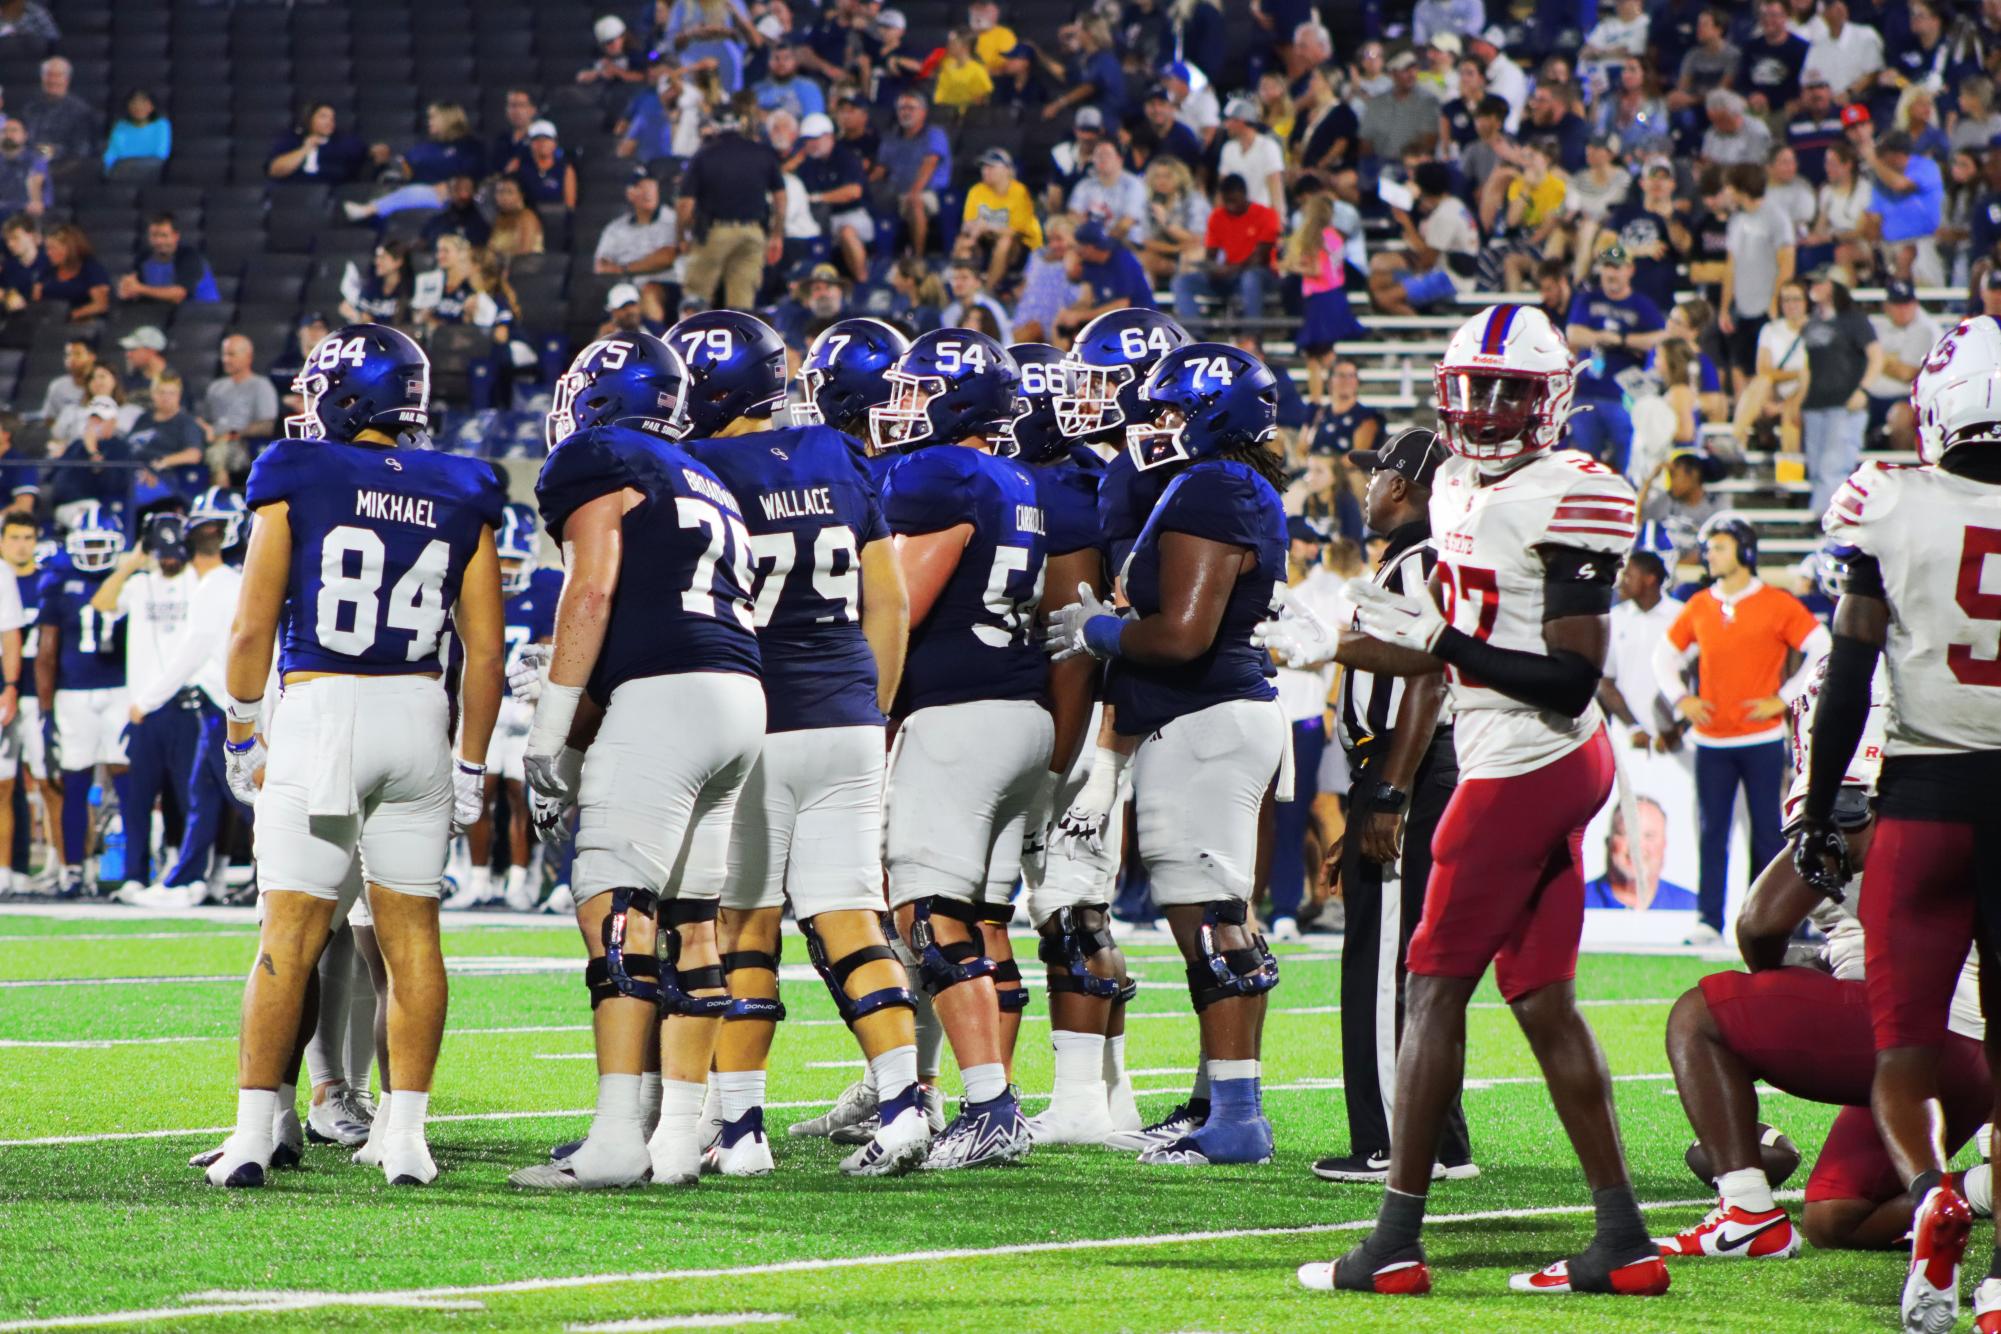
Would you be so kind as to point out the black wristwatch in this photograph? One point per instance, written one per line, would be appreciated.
(1388, 798)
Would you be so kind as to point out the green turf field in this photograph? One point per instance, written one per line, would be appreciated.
(106, 1089)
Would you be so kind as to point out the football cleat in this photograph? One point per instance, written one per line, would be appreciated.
(1735, 1234)
(1184, 1119)
(337, 1120)
(550, 1176)
(1089, 1123)
(1364, 1168)
(1645, 1277)
(519, 894)
(288, 1138)
(561, 902)
(676, 1156)
(984, 1132)
(1215, 1143)
(899, 1147)
(856, 1104)
(934, 1107)
(741, 1150)
(1938, 1242)
(228, 1168)
(71, 884)
(589, 1166)
(1987, 1307)
(406, 1161)
(1409, 1277)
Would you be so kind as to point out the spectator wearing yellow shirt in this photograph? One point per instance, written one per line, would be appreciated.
(962, 80)
(992, 39)
(1000, 218)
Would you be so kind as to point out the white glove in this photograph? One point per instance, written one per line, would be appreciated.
(468, 795)
(549, 811)
(1296, 636)
(555, 776)
(530, 671)
(551, 819)
(1396, 618)
(242, 765)
(1064, 635)
(1083, 825)
(549, 737)
(1035, 830)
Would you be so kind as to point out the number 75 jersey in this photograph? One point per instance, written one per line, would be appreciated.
(1491, 587)
(1937, 537)
(380, 542)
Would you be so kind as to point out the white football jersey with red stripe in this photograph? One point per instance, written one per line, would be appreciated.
(1491, 587)
(1937, 537)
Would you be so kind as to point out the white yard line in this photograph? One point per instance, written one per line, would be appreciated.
(251, 1303)
(642, 1324)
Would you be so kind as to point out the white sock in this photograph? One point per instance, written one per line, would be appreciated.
(480, 881)
(287, 1100)
(984, 1083)
(1221, 1070)
(1115, 1060)
(930, 1040)
(255, 1110)
(680, 1109)
(1747, 1189)
(407, 1112)
(1080, 1066)
(517, 876)
(620, 1110)
(649, 1102)
(894, 1071)
(1977, 1185)
(740, 1090)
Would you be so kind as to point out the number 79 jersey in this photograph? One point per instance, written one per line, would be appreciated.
(978, 642)
(381, 538)
(1491, 587)
(1937, 537)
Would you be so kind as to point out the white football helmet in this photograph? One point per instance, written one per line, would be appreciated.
(1505, 387)
(1956, 396)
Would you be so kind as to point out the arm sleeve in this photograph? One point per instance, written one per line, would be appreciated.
(1559, 680)
(1838, 722)
(1812, 649)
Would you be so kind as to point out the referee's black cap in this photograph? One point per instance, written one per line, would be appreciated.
(1414, 455)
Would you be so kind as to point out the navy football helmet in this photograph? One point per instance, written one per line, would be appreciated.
(736, 368)
(1108, 363)
(95, 540)
(951, 384)
(516, 542)
(1035, 437)
(628, 379)
(1200, 401)
(220, 505)
(842, 376)
(363, 377)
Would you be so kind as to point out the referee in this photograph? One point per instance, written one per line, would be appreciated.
(1404, 770)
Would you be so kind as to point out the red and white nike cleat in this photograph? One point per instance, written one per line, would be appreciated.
(1938, 1242)
(1646, 1277)
(1987, 1307)
(1401, 1278)
(1732, 1233)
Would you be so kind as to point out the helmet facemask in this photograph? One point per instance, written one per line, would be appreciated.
(904, 422)
(807, 411)
(1087, 398)
(1158, 443)
(94, 550)
(515, 575)
(1495, 416)
(310, 386)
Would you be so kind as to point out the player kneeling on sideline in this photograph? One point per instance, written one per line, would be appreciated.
(971, 756)
(1529, 538)
(1193, 685)
(359, 551)
(832, 622)
(654, 627)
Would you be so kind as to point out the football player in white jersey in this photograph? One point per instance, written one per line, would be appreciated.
(1923, 547)
(1530, 539)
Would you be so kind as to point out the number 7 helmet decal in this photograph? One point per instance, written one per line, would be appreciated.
(842, 376)
(1033, 436)
(1108, 363)
(1202, 400)
(362, 377)
(736, 368)
(951, 384)
(628, 379)
(1956, 395)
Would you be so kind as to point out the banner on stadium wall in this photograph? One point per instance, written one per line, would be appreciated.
(1664, 798)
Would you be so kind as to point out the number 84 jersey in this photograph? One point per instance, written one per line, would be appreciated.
(1937, 537)
(1491, 577)
(380, 542)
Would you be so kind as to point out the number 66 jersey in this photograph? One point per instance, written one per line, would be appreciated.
(1937, 537)
(380, 542)
(1491, 572)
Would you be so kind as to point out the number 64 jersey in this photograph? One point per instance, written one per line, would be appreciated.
(1937, 537)
(380, 542)
(1491, 587)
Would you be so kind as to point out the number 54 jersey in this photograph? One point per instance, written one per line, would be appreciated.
(1937, 537)
(1491, 576)
(380, 542)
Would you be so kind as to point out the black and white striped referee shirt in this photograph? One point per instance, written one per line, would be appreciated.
(1369, 702)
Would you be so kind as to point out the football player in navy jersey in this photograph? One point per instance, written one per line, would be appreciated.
(655, 625)
(80, 678)
(832, 624)
(971, 757)
(360, 549)
(529, 617)
(1203, 573)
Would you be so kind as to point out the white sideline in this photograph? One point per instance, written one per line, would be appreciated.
(252, 1302)
(680, 1322)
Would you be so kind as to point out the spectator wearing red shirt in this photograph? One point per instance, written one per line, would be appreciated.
(1240, 239)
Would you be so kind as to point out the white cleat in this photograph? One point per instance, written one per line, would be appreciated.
(676, 1158)
(561, 902)
(856, 1104)
(131, 891)
(338, 1120)
(1086, 1123)
(288, 1138)
(741, 1149)
(370, 1152)
(234, 1169)
(406, 1161)
(899, 1147)
(519, 894)
(603, 1163)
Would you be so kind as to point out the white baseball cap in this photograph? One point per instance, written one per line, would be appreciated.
(543, 129)
(621, 294)
(815, 125)
(609, 28)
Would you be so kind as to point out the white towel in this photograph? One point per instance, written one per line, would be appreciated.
(331, 790)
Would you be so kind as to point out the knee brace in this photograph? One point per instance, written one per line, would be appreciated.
(1065, 947)
(1014, 999)
(676, 982)
(942, 967)
(1224, 973)
(617, 973)
(754, 1007)
(836, 972)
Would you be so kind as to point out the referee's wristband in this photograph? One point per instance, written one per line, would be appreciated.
(1101, 635)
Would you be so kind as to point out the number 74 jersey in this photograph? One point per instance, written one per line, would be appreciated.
(1491, 587)
(380, 542)
(1937, 537)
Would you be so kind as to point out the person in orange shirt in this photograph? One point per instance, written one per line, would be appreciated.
(1738, 633)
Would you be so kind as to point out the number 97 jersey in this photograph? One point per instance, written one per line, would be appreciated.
(380, 542)
(1937, 538)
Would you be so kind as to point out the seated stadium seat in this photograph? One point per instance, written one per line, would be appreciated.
(278, 279)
